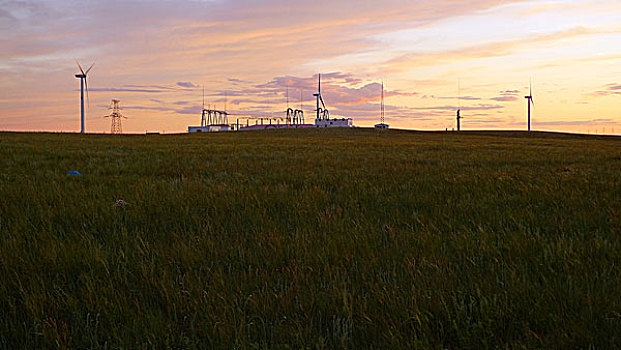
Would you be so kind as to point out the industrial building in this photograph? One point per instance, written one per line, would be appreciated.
(334, 123)
(209, 128)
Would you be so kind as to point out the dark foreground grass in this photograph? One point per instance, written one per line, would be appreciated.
(310, 239)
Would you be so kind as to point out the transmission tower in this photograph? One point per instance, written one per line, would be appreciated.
(116, 116)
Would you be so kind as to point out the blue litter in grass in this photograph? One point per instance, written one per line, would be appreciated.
(74, 173)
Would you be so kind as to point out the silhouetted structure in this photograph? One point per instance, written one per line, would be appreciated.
(214, 117)
(116, 116)
(322, 111)
(459, 117)
(382, 125)
(295, 117)
(83, 83)
(529, 101)
(322, 120)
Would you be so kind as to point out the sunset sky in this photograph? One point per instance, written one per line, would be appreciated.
(155, 56)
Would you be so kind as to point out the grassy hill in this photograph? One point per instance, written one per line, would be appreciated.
(310, 239)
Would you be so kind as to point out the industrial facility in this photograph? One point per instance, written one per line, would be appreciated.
(213, 120)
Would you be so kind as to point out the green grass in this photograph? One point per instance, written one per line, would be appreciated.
(310, 239)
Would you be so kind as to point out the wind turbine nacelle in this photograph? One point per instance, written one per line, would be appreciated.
(81, 76)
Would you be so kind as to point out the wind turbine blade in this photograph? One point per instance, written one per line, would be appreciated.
(532, 101)
(89, 68)
(86, 85)
(81, 70)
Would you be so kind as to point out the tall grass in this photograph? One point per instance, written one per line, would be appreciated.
(310, 239)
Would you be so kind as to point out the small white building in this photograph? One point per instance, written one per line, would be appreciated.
(381, 126)
(334, 123)
(209, 128)
(193, 129)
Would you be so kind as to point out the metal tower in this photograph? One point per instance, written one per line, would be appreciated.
(214, 117)
(382, 104)
(116, 116)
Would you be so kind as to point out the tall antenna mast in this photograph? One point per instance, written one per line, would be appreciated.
(382, 104)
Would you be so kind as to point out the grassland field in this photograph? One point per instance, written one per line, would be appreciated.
(310, 239)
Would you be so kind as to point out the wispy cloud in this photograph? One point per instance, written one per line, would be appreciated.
(188, 110)
(476, 52)
(465, 98)
(338, 89)
(606, 122)
(479, 107)
(507, 96)
(504, 98)
(187, 84)
(614, 87)
(146, 91)
(607, 90)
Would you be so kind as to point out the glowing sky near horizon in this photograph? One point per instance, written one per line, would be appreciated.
(155, 56)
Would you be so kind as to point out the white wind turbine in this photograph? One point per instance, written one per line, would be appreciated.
(83, 83)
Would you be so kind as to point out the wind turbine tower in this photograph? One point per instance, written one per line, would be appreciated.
(459, 117)
(116, 116)
(529, 102)
(318, 94)
(322, 113)
(83, 84)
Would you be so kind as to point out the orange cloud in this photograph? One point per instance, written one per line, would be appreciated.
(488, 50)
